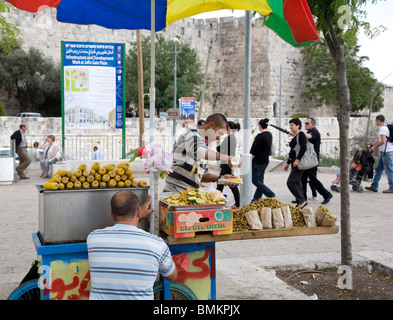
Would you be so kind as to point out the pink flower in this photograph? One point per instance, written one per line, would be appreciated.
(140, 151)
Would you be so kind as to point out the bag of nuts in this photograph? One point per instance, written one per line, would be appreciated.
(309, 217)
(266, 218)
(287, 217)
(278, 219)
(324, 218)
(253, 220)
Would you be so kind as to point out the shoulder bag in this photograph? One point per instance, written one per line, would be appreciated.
(309, 159)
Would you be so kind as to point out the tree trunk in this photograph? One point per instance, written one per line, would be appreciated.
(337, 49)
(343, 119)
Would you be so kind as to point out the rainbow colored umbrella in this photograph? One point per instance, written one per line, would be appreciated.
(290, 19)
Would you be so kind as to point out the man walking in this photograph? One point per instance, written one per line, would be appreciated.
(311, 174)
(21, 145)
(385, 156)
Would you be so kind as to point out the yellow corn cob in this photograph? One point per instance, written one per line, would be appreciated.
(235, 179)
(86, 185)
(70, 185)
(97, 177)
(73, 179)
(86, 173)
(95, 166)
(92, 172)
(82, 179)
(82, 167)
(51, 185)
(69, 174)
(117, 178)
(64, 180)
(90, 179)
(77, 184)
(119, 171)
(103, 184)
(124, 177)
(78, 173)
(128, 172)
(61, 173)
(134, 183)
(112, 183)
(55, 178)
(131, 177)
(61, 186)
(105, 177)
(142, 183)
(124, 165)
(127, 183)
(110, 167)
(95, 184)
(120, 184)
(112, 173)
(102, 171)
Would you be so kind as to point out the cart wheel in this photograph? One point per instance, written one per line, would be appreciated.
(26, 291)
(179, 291)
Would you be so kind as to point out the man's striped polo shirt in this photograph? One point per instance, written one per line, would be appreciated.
(124, 262)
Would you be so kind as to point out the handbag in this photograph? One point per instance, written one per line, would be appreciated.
(309, 159)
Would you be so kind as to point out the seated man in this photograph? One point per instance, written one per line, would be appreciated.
(124, 260)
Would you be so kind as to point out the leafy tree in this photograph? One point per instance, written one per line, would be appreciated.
(9, 34)
(322, 80)
(189, 75)
(339, 22)
(34, 80)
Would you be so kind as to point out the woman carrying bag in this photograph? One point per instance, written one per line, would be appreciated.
(298, 147)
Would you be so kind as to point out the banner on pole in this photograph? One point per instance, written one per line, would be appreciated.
(187, 110)
(93, 85)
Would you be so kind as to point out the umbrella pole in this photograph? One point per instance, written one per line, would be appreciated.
(152, 95)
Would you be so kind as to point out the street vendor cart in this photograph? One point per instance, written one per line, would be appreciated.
(191, 233)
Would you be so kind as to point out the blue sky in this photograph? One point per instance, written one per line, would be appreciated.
(379, 50)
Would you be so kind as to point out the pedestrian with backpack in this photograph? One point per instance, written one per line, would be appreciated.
(385, 145)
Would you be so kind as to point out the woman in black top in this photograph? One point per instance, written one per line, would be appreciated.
(228, 147)
(294, 182)
(260, 151)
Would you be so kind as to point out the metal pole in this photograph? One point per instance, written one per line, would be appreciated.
(140, 88)
(246, 156)
(280, 114)
(152, 95)
(175, 40)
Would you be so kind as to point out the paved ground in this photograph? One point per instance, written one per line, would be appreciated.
(243, 267)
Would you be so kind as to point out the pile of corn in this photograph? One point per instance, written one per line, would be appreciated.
(191, 197)
(107, 176)
(239, 219)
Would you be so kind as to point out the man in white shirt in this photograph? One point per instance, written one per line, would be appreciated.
(97, 155)
(385, 156)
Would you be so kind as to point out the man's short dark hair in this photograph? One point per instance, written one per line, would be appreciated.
(95, 148)
(219, 119)
(124, 204)
(380, 117)
(22, 126)
(313, 121)
(296, 122)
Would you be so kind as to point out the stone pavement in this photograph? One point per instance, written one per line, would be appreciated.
(244, 268)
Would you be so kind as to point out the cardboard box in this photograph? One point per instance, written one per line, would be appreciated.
(185, 223)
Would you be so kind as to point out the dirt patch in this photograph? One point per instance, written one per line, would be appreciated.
(369, 282)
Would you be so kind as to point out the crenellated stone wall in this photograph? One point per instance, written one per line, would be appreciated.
(226, 63)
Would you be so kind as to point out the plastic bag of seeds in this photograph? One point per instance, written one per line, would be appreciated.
(253, 220)
(287, 217)
(278, 219)
(309, 217)
(266, 218)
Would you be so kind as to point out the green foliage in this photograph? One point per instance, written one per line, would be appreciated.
(33, 79)
(9, 34)
(1, 110)
(189, 75)
(322, 80)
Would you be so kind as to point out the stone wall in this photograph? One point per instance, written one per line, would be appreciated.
(226, 63)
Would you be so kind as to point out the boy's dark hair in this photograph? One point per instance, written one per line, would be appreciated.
(380, 117)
